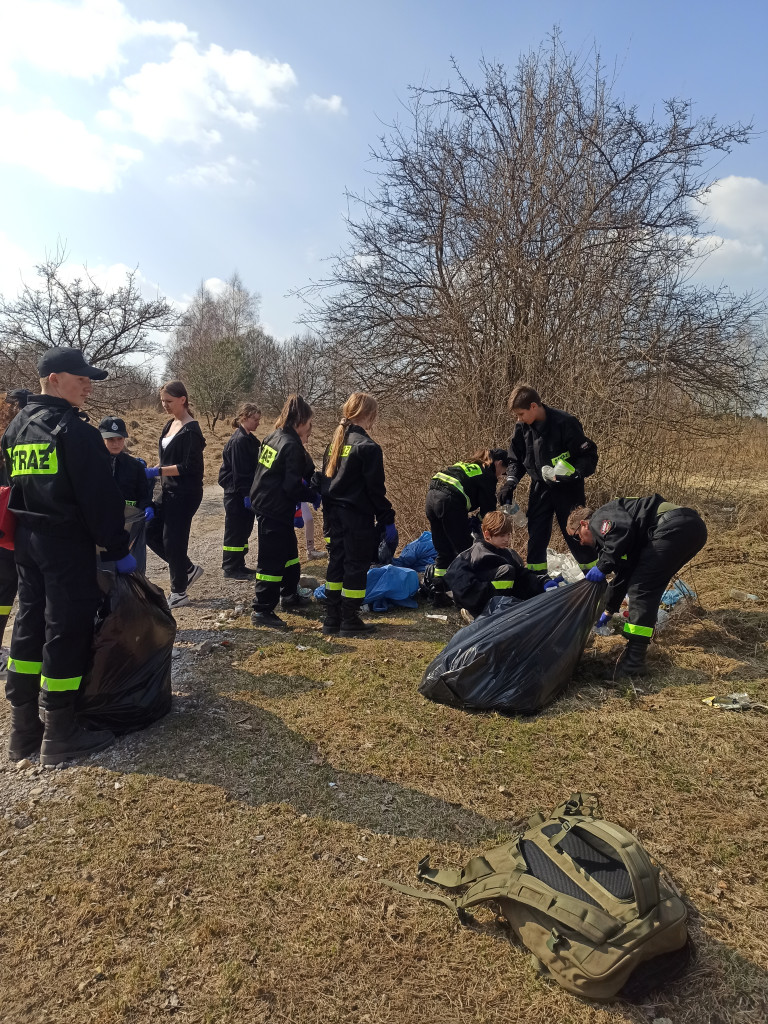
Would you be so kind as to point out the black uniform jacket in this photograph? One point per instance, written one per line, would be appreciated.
(358, 482)
(476, 485)
(282, 476)
(483, 571)
(622, 528)
(559, 436)
(61, 479)
(238, 462)
(185, 450)
(130, 477)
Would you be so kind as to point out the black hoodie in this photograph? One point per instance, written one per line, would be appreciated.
(185, 450)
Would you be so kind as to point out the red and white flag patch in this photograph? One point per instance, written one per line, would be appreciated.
(605, 526)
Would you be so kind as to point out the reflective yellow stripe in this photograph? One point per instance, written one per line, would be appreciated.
(352, 593)
(327, 540)
(293, 561)
(268, 579)
(453, 482)
(24, 668)
(132, 504)
(502, 584)
(440, 572)
(225, 548)
(5, 609)
(586, 566)
(60, 685)
(470, 468)
(332, 586)
(346, 450)
(38, 459)
(536, 566)
(638, 630)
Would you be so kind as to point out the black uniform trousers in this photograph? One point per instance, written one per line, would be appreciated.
(53, 632)
(449, 522)
(354, 542)
(677, 537)
(277, 563)
(238, 526)
(168, 535)
(9, 582)
(546, 502)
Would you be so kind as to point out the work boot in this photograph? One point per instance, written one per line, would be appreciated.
(26, 731)
(632, 660)
(270, 620)
(65, 740)
(351, 623)
(297, 600)
(332, 618)
(238, 574)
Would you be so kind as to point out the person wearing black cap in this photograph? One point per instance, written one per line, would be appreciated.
(66, 503)
(451, 496)
(130, 476)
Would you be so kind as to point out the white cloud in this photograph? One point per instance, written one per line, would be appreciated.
(739, 206)
(16, 265)
(82, 39)
(63, 150)
(221, 173)
(184, 97)
(331, 105)
(730, 259)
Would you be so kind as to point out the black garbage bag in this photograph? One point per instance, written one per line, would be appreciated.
(516, 660)
(129, 683)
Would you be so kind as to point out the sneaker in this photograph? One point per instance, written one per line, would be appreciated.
(194, 574)
(270, 620)
(178, 600)
(467, 616)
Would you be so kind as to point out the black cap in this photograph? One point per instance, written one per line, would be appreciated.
(68, 360)
(500, 455)
(18, 395)
(113, 426)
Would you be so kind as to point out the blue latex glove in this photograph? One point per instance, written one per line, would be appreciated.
(595, 576)
(126, 565)
(551, 585)
(317, 501)
(149, 513)
(247, 502)
(151, 472)
(390, 534)
(604, 619)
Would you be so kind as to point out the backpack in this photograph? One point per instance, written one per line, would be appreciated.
(581, 893)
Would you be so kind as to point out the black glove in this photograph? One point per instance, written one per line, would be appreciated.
(507, 493)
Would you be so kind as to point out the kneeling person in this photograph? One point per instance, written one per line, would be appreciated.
(490, 568)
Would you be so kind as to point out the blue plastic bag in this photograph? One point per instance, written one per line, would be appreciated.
(418, 554)
(386, 586)
(676, 593)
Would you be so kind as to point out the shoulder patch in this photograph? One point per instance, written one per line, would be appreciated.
(586, 444)
(605, 527)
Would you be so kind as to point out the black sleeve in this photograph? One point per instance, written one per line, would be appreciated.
(516, 467)
(142, 485)
(295, 474)
(583, 450)
(617, 588)
(617, 541)
(243, 465)
(373, 473)
(101, 504)
(488, 491)
(191, 451)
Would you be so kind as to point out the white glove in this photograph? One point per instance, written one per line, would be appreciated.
(548, 472)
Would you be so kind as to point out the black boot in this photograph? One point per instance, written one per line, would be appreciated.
(332, 618)
(632, 660)
(351, 623)
(65, 740)
(270, 620)
(26, 731)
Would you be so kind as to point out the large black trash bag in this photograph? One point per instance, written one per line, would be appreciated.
(516, 660)
(129, 683)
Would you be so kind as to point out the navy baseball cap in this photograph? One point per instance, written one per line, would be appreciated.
(113, 426)
(19, 396)
(68, 360)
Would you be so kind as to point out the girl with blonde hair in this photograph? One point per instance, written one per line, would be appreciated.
(355, 503)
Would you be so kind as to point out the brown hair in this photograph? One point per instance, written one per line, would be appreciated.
(359, 406)
(497, 524)
(176, 389)
(245, 410)
(523, 397)
(295, 412)
(577, 515)
(482, 456)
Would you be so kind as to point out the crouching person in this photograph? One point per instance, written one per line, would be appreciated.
(644, 541)
(490, 568)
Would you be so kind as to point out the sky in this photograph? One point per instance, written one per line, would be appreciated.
(194, 139)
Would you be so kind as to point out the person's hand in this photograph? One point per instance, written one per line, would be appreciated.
(390, 535)
(149, 514)
(507, 493)
(551, 585)
(548, 474)
(604, 619)
(247, 502)
(126, 565)
(151, 472)
(595, 576)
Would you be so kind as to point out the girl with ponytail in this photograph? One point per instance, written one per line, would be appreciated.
(238, 468)
(355, 503)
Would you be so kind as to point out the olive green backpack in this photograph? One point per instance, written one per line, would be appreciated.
(581, 893)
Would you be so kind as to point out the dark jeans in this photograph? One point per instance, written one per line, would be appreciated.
(53, 631)
(277, 563)
(238, 526)
(546, 502)
(168, 535)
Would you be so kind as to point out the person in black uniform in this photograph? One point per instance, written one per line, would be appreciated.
(489, 568)
(181, 476)
(9, 406)
(283, 476)
(644, 542)
(355, 502)
(451, 496)
(130, 476)
(549, 445)
(66, 503)
(238, 468)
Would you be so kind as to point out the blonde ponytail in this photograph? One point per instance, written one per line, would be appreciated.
(359, 406)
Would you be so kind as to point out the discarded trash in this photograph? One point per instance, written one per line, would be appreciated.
(564, 565)
(606, 630)
(742, 595)
(440, 618)
(735, 702)
(515, 513)
(301, 647)
(676, 593)
(662, 619)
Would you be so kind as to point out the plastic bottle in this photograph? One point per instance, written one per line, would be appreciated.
(742, 595)
(513, 510)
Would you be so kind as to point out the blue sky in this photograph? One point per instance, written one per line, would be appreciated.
(193, 139)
